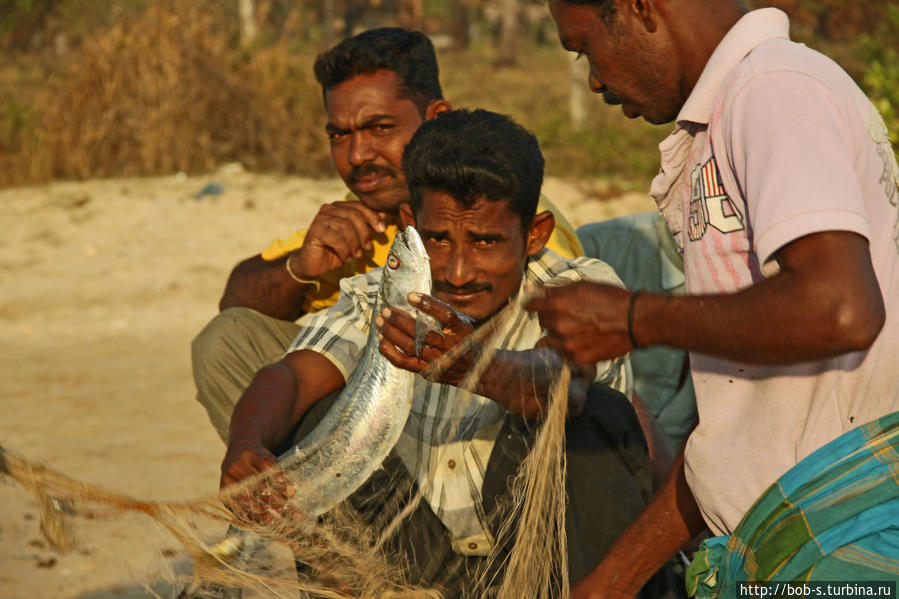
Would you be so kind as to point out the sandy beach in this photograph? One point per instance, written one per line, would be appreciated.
(102, 286)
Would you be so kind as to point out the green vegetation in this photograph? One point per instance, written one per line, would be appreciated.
(126, 87)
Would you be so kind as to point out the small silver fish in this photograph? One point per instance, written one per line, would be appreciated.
(366, 420)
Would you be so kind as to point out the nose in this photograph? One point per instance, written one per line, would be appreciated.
(459, 269)
(361, 151)
(594, 84)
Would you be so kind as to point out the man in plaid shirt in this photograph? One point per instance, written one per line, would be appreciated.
(474, 179)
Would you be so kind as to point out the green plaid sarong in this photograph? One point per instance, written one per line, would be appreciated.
(834, 516)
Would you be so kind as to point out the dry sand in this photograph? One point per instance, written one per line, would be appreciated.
(102, 286)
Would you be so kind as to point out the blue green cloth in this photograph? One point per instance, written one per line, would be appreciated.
(832, 517)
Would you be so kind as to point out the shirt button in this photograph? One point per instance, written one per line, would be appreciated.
(472, 545)
(451, 464)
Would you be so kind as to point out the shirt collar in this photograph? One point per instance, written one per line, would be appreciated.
(751, 30)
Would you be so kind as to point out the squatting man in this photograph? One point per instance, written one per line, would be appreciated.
(474, 180)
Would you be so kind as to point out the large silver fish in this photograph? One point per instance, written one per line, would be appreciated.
(366, 420)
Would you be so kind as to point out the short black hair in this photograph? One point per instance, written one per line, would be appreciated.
(409, 54)
(475, 154)
(608, 11)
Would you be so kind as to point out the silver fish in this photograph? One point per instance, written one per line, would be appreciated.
(366, 420)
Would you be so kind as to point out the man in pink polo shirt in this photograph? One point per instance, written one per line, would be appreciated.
(779, 185)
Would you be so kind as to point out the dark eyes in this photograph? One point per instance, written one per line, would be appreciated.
(380, 129)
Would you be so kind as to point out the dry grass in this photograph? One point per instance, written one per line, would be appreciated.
(167, 92)
(169, 89)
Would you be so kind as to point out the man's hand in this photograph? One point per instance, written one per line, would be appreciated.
(398, 339)
(265, 499)
(339, 232)
(585, 321)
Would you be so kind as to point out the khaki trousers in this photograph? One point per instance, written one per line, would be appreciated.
(228, 353)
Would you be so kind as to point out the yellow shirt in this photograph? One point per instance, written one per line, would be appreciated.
(563, 241)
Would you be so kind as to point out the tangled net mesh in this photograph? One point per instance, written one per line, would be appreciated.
(347, 553)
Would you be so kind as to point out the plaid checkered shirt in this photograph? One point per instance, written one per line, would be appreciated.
(450, 434)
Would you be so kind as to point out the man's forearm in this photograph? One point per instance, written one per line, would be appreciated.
(266, 413)
(666, 525)
(265, 286)
(521, 381)
(661, 455)
(825, 301)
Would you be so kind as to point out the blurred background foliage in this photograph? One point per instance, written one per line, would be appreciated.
(104, 88)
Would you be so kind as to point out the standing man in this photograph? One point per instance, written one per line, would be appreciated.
(779, 185)
(378, 87)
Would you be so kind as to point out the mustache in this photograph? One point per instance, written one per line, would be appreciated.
(369, 169)
(611, 98)
(445, 287)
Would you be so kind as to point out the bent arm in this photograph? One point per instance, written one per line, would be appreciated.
(661, 455)
(825, 301)
(667, 524)
(523, 381)
(272, 406)
(265, 286)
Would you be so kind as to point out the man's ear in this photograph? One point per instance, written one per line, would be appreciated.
(538, 233)
(435, 108)
(406, 216)
(645, 11)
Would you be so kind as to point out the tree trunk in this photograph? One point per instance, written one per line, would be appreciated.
(577, 94)
(328, 23)
(247, 11)
(510, 32)
(459, 26)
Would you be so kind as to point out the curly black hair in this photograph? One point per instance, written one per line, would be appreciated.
(409, 54)
(474, 154)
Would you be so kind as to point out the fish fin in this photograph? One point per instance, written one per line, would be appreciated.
(424, 324)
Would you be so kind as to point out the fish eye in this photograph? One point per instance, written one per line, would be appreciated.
(393, 262)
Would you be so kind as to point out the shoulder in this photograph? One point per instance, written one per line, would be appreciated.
(362, 288)
(549, 268)
(781, 68)
(564, 241)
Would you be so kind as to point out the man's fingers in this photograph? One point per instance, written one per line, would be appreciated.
(375, 221)
(444, 313)
(260, 496)
(397, 319)
(361, 222)
(342, 238)
(401, 357)
(366, 221)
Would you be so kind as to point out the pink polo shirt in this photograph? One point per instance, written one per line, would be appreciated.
(774, 143)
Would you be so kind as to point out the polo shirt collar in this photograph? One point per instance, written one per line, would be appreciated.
(751, 30)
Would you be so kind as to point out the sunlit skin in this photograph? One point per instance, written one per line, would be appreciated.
(369, 124)
(478, 255)
(634, 62)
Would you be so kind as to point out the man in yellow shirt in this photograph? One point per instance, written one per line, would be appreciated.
(378, 87)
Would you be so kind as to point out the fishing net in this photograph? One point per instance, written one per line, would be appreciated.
(351, 551)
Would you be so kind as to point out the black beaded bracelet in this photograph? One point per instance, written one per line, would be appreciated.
(630, 319)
